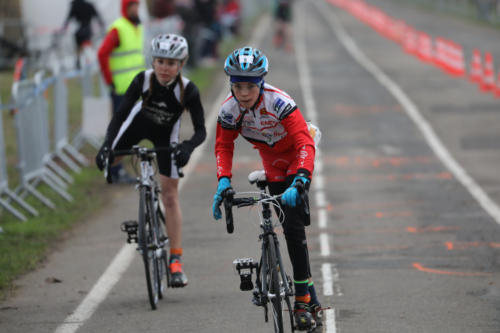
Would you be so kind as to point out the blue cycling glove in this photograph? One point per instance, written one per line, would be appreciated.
(291, 196)
(224, 184)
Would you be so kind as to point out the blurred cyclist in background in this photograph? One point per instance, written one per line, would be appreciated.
(121, 58)
(210, 30)
(82, 12)
(283, 17)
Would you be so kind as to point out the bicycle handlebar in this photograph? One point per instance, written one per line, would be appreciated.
(229, 201)
(142, 152)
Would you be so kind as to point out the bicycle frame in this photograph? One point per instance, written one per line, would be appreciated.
(269, 289)
(269, 238)
(147, 181)
(149, 235)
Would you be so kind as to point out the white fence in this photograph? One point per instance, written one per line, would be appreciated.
(36, 156)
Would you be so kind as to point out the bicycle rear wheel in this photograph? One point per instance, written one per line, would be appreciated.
(273, 283)
(146, 238)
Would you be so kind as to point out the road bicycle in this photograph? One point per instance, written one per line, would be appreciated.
(149, 231)
(273, 285)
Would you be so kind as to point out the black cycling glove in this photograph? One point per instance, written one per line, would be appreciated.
(101, 156)
(182, 153)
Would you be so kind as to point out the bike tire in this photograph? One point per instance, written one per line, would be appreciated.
(273, 278)
(148, 256)
(289, 305)
(163, 268)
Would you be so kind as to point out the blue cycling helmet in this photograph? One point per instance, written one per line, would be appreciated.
(247, 62)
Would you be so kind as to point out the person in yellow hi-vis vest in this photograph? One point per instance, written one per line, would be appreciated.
(121, 57)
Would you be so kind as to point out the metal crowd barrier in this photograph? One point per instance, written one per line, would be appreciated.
(63, 150)
(35, 155)
(4, 184)
(33, 142)
(96, 112)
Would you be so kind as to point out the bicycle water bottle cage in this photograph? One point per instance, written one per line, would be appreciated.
(130, 227)
(258, 177)
(245, 267)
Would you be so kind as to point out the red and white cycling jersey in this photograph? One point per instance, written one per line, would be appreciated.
(275, 126)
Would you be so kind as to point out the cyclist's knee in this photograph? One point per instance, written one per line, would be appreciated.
(170, 199)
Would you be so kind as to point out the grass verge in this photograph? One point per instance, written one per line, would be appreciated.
(24, 244)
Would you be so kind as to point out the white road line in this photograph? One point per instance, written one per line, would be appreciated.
(122, 260)
(322, 204)
(324, 244)
(322, 219)
(326, 270)
(330, 320)
(99, 291)
(319, 182)
(413, 112)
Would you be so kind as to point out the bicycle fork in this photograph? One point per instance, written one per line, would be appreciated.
(246, 267)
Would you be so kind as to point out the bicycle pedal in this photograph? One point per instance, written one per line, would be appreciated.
(308, 326)
(130, 227)
(245, 268)
(313, 328)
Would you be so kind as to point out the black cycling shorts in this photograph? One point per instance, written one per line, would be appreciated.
(83, 34)
(142, 128)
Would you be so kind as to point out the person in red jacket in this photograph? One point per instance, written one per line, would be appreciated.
(121, 58)
(269, 119)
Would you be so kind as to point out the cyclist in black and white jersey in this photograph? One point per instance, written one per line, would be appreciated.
(151, 109)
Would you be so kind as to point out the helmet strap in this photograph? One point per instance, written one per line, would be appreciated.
(260, 95)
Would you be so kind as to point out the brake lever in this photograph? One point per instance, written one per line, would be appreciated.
(107, 173)
(227, 196)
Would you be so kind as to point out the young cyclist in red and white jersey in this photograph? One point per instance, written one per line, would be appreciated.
(151, 109)
(269, 119)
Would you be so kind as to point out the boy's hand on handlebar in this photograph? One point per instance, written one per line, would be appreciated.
(292, 195)
(224, 184)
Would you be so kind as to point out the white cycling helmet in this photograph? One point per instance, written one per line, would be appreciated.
(170, 46)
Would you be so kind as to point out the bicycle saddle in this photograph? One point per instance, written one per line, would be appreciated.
(257, 176)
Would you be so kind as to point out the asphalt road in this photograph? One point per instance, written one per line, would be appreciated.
(401, 239)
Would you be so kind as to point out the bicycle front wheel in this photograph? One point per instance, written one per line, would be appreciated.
(162, 260)
(146, 237)
(273, 283)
